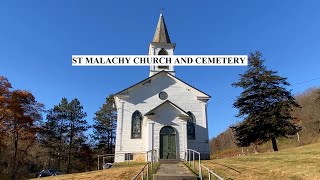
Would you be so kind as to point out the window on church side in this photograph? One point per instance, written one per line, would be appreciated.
(136, 125)
(128, 156)
(191, 126)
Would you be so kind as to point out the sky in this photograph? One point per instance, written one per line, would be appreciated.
(38, 38)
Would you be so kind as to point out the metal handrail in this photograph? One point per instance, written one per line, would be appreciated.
(106, 156)
(193, 163)
(103, 155)
(152, 160)
(211, 172)
(153, 154)
(187, 160)
(142, 172)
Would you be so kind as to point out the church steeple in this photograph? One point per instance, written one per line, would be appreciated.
(161, 45)
(161, 35)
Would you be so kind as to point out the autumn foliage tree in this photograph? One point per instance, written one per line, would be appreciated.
(28, 145)
(265, 104)
(5, 94)
(308, 116)
(20, 115)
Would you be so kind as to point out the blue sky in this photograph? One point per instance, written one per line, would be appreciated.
(38, 38)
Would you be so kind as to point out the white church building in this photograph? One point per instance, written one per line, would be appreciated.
(162, 112)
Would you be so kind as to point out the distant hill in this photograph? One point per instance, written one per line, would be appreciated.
(295, 163)
(308, 117)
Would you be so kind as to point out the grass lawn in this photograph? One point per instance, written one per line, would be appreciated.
(117, 172)
(296, 163)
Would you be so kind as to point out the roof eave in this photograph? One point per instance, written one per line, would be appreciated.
(151, 112)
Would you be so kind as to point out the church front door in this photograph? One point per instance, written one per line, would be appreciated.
(167, 143)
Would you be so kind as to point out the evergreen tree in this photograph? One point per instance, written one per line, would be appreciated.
(85, 159)
(76, 127)
(63, 133)
(264, 104)
(105, 126)
(54, 133)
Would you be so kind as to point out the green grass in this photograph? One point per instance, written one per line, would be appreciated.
(296, 163)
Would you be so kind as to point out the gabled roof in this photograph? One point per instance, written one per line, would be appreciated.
(174, 77)
(161, 35)
(157, 74)
(151, 112)
(141, 82)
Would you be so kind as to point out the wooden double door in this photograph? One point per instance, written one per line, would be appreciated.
(168, 143)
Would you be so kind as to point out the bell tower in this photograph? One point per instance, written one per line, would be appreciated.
(161, 45)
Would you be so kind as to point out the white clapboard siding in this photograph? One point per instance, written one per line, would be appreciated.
(145, 98)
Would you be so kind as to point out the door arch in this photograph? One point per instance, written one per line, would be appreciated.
(168, 143)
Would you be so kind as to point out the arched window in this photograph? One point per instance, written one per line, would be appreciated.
(163, 52)
(191, 127)
(136, 123)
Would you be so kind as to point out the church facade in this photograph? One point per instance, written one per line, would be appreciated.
(161, 112)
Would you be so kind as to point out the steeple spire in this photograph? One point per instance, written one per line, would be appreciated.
(161, 45)
(161, 35)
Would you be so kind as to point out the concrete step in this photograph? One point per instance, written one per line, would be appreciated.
(173, 170)
(169, 161)
(174, 177)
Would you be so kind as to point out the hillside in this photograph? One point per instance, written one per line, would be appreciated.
(116, 172)
(308, 117)
(296, 163)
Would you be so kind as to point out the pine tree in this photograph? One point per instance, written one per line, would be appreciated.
(76, 128)
(54, 133)
(63, 133)
(105, 126)
(265, 104)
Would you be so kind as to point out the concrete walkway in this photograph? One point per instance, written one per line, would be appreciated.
(173, 171)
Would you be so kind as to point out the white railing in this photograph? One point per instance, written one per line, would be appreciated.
(190, 154)
(190, 160)
(153, 157)
(211, 173)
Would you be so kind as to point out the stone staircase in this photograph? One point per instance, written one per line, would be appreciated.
(173, 169)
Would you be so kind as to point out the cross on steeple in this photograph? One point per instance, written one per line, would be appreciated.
(161, 10)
